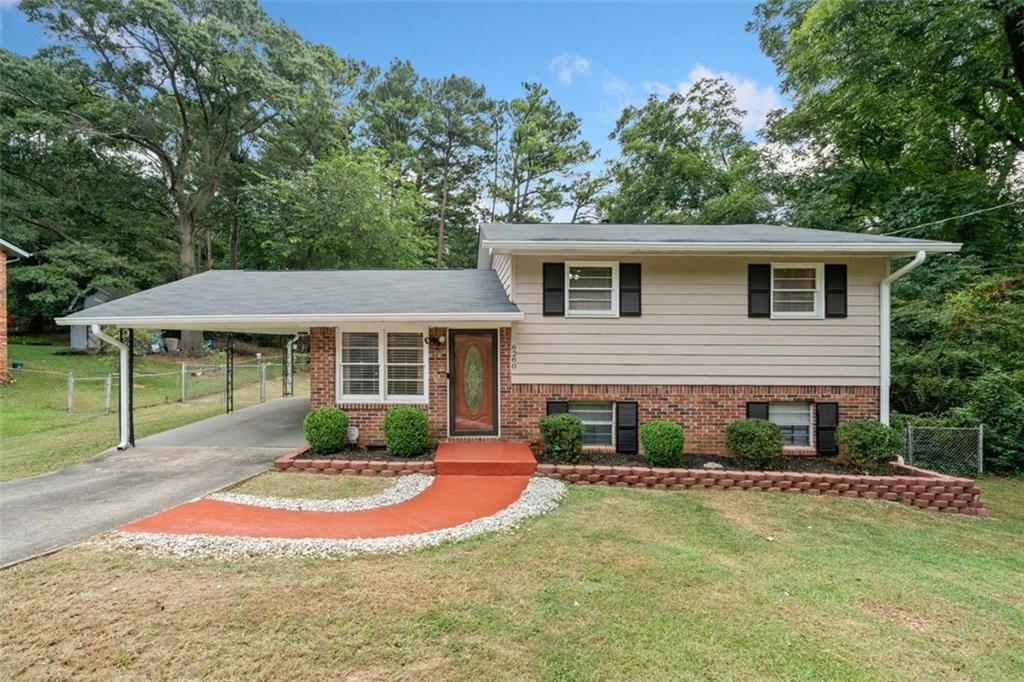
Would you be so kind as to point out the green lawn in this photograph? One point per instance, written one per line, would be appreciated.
(311, 486)
(38, 433)
(614, 585)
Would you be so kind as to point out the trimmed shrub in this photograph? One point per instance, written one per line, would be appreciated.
(406, 431)
(663, 443)
(563, 437)
(326, 429)
(869, 445)
(756, 443)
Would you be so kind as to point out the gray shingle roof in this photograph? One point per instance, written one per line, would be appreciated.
(218, 296)
(750, 238)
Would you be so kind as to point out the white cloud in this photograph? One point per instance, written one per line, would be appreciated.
(755, 99)
(568, 65)
(4, 4)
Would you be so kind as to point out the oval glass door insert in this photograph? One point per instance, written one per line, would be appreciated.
(473, 379)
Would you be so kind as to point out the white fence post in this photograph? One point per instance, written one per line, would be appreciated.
(106, 393)
(184, 374)
(71, 392)
(263, 382)
(910, 444)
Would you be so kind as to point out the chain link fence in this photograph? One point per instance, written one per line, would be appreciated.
(954, 451)
(255, 381)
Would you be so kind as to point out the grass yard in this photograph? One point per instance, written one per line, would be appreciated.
(39, 434)
(615, 584)
(312, 486)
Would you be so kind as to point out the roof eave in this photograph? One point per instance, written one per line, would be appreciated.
(283, 322)
(548, 246)
(10, 248)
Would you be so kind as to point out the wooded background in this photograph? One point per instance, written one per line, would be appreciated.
(161, 138)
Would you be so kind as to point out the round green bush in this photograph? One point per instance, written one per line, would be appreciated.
(326, 429)
(756, 443)
(663, 443)
(406, 431)
(868, 445)
(563, 437)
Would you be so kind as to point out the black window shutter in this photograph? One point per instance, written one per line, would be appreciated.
(629, 289)
(826, 422)
(835, 291)
(757, 410)
(759, 290)
(557, 407)
(627, 440)
(554, 288)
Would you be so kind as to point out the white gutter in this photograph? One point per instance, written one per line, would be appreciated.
(123, 384)
(886, 336)
(169, 321)
(555, 246)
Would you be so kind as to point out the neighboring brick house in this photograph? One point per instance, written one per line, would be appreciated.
(11, 253)
(619, 324)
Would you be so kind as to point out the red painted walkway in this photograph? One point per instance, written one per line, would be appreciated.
(475, 479)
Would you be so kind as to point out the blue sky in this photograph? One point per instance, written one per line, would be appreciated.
(595, 58)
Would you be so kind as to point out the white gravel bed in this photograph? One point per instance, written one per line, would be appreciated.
(404, 488)
(540, 496)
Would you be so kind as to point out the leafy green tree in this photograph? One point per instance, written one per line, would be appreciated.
(454, 140)
(541, 158)
(349, 210)
(393, 107)
(685, 160)
(184, 83)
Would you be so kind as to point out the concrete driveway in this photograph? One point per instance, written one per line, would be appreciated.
(47, 512)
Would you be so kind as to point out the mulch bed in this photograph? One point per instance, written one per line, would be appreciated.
(372, 454)
(804, 464)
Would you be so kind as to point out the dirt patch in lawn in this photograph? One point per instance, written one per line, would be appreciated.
(803, 464)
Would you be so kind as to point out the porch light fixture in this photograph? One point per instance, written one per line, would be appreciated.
(434, 340)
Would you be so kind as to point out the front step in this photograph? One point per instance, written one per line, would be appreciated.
(484, 458)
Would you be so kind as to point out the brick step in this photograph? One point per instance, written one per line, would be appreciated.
(484, 458)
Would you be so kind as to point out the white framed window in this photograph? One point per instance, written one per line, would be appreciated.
(592, 289)
(795, 421)
(797, 290)
(382, 365)
(598, 421)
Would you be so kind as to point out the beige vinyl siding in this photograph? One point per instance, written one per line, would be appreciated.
(502, 264)
(694, 330)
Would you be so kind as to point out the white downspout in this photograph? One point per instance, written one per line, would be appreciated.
(123, 386)
(886, 340)
(288, 368)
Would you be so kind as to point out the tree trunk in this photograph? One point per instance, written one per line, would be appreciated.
(191, 341)
(440, 223)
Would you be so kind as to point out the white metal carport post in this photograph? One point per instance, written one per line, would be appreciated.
(886, 339)
(124, 386)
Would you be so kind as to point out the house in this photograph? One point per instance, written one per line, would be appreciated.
(80, 338)
(11, 253)
(619, 324)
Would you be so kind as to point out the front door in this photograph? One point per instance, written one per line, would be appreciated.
(473, 388)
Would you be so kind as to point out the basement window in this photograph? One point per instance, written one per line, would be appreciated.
(598, 422)
(795, 421)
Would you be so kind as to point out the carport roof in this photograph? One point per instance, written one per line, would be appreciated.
(294, 300)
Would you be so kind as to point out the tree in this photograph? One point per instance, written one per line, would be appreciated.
(349, 210)
(585, 195)
(685, 160)
(454, 138)
(543, 154)
(392, 108)
(184, 82)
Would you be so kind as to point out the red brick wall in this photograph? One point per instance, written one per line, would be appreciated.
(3, 318)
(704, 411)
(369, 417)
(916, 487)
